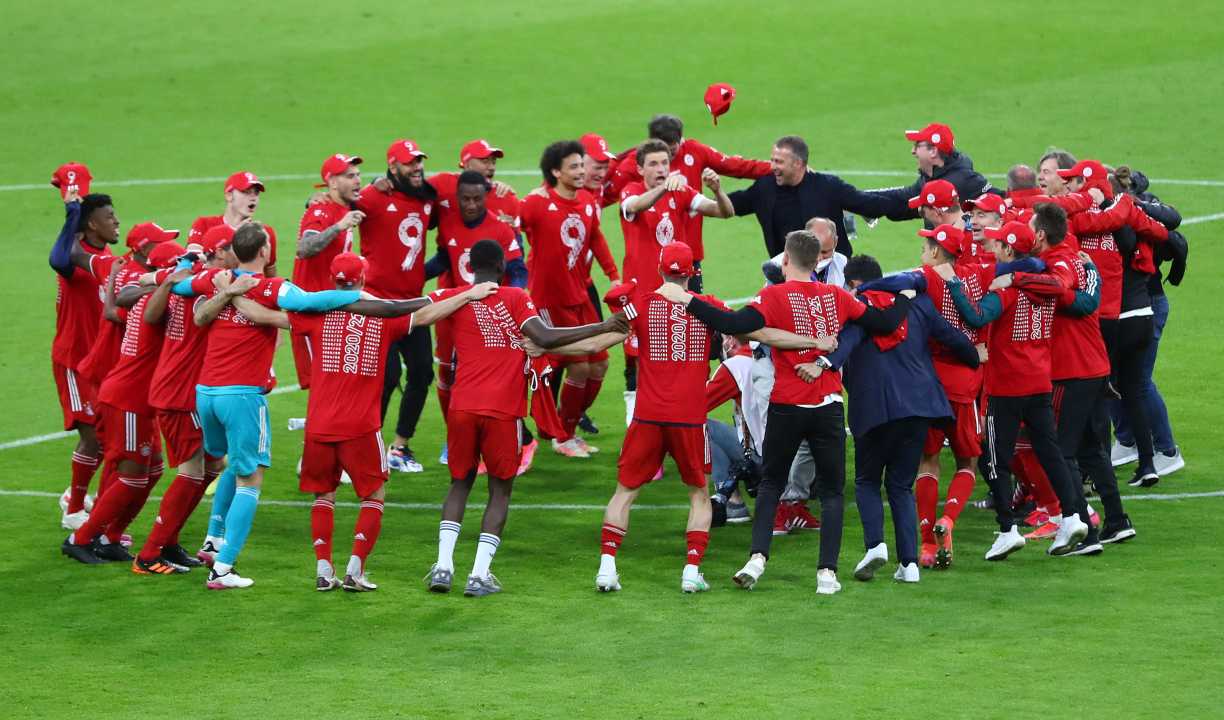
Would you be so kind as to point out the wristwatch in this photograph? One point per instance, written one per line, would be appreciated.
(823, 362)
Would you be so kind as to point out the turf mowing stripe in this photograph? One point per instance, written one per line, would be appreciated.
(1203, 219)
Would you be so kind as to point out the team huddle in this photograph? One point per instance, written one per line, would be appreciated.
(1028, 321)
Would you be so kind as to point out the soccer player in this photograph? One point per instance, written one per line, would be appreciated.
(487, 406)
(242, 192)
(800, 410)
(343, 427)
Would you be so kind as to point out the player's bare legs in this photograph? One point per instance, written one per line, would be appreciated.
(443, 570)
(615, 525)
(573, 404)
(85, 461)
(594, 384)
(481, 581)
(115, 509)
(936, 550)
(162, 554)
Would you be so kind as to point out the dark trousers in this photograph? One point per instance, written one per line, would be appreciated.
(825, 431)
(1003, 418)
(890, 453)
(416, 351)
(1083, 436)
(1134, 336)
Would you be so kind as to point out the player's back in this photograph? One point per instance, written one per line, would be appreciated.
(127, 384)
(239, 352)
(673, 359)
(182, 356)
(490, 360)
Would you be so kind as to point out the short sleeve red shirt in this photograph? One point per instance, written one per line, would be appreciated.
(457, 239)
(393, 240)
(239, 352)
(204, 223)
(127, 384)
(182, 356)
(673, 359)
(961, 383)
(649, 231)
(314, 273)
(805, 308)
(559, 233)
(506, 208)
(78, 306)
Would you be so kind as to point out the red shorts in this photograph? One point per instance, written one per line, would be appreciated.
(303, 358)
(363, 458)
(573, 316)
(126, 435)
(646, 444)
(471, 438)
(184, 437)
(77, 396)
(964, 433)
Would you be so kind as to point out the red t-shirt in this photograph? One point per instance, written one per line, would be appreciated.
(805, 308)
(456, 239)
(78, 307)
(490, 363)
(104, 351)
(1108, 259)
(393, 240)
(1019, 342)
(1077, 348)
(961, 383)
(649, 231)
(127, 384)
(314, 273)
(506, 208)
(204, 223)
(346, 379)
(673, 359)
(559, 233)
(182, 356)
(239, 352)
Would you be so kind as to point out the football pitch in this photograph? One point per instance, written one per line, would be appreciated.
(163, 100)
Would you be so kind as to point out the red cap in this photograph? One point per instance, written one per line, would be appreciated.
(676, 259)
(937, 134)
(217, 237)
(596, 147)
(618, 296)
(337, 164)
(404, 151)
(987, 202)
(718, 99)
(1018, 215)
(243, 181)
(145, 233)
(949, 237)
(939, 194)
(1093, 173)
(164, 254)
(1016, 234)
(349, 268)
(479, 149)
(71, 176)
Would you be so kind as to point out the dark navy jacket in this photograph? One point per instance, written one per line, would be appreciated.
(900, 383)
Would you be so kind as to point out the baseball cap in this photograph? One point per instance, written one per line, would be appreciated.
(242, 181)
(71, 176)
(718, 99)
(987, 202)
(164, 254)
(405, 151)
(140, 236)
(596, 147)
(349, 268)
(676, 259)
(939, 194)
(937, 134)
(217, 237)
(337, 164)
(479, 149)
(1016, 234)
(949, 237)
(618, 296)
(1093, 173)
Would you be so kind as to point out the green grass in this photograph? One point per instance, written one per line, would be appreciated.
(176, 90)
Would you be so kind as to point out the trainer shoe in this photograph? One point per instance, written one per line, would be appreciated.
(943, 542)
(63, 501)
(481, 586)
(229, 581)
(358, 583)
(74, 521)
(81, 553)
(207, 553)
(439, 579)
(1087, 547)
(570, 448)
(608, 582)
(401, 459)
(737, 514)
(1040, 516)
(693, 583)
(906, 573)
(986, 503)
(157, 566)
(326, 583)
(826, 582)
(1116, 533)
(1005, 544)
(802, 518)
(587, 425)
(1121, 454)
(178, 555)
(125, 540)
(1169, 464)
(1045, 531)
(782, 519)
(1070, 531)
(752, 571)
(1145, 476)
(112, 552)
(927, 553)
(875, 559)
(529, 451)
(591, 449)
(718, 512)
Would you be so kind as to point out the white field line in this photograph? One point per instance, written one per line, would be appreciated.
(561, 506)
(1203, 219)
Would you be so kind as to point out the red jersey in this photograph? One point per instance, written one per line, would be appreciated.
(1019, 342)
(182, 356)
(456, 239)
(239, 352)
(649, 231)
(78, 307)
(127, 384)
(346, 379)
(314, 273)
(490, 363)
(961, 383)
(805, 308)
(690, 160)
(393, 240)
(559, 233)
(104, 351)
(673, 359)
(204, 223)
(506, 208)
(1077, 348)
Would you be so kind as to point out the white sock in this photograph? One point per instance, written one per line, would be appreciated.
(607, 565)
(486, 548)
(448, 534)
(354, 567)
(323, 568)
(690, 572)
(216, 541)
(103, 540)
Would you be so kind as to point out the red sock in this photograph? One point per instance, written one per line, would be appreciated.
(119, 525)
(109, 472)
(83, 469)
(926, 493)
(959, 491)
(610, 539)
(109, 506)
(322, 524)
(592, 391)
(573, 395)
(193, 503)
(1043, 491)
(369, 524)
(174, 506)
(697, 541)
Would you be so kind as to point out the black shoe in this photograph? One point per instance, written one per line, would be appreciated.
(1145, 476)
(1120, 532)
(178, 555)
(1086, 547)
(588, 425)
(81, 553)
(113, 552)
(718, 513)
